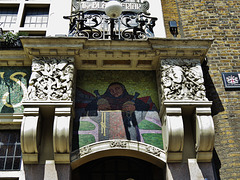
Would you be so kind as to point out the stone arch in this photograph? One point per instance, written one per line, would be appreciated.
(127, 148)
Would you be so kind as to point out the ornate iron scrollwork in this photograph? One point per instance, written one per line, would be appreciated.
(90, 21)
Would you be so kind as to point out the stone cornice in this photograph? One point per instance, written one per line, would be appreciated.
(107, 54)
(183, 103)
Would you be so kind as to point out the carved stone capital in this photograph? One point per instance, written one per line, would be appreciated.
(30, 135)
(204, 134)
(173, 133)
(51, 79)
(182, 79)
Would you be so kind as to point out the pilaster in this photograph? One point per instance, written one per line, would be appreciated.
(50, 98)
(184, 105)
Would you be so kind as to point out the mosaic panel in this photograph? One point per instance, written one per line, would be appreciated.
(13, 85)
(116, 105)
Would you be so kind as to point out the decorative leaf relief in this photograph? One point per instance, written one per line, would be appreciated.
(118, 143)
(51, 79)
(182, 80)
(153, 150)
(85, 150)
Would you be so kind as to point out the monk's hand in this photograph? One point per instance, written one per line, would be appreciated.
(104, 107)
(103, 104)
(129, 106)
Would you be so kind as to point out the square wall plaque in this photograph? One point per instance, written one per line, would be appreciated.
(231, 80)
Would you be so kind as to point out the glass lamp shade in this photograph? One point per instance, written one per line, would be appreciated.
(113, 9)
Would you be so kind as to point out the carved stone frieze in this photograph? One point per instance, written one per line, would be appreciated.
(153, 150)
(51, 79)
(84, 150)
(118, 143)
(182, 79)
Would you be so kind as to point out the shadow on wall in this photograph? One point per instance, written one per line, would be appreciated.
(216, 165)
(47, 171)
(217, 107)
(33, 171)
(211, 92)
(181, 171)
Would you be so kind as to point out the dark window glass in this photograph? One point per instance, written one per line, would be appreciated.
(10, 150)
(36, 17)
(8, 16)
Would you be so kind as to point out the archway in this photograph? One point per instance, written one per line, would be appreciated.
(115, 155)
(118, 168)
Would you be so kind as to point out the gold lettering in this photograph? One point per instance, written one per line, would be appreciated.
(128, 6)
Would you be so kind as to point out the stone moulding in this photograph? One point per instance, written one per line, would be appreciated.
(117, 148)
(115, 55)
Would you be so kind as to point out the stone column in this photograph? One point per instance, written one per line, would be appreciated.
(47, 124)
(188, 130)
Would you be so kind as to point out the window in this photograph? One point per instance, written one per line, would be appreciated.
(10, 150)
(8, 16)
(36, 17)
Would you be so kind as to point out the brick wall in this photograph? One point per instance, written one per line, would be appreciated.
(170, 13)
(218, 19)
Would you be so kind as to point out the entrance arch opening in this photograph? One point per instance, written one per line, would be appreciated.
(118, 168)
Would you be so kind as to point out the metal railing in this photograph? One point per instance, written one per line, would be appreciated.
(90, 21)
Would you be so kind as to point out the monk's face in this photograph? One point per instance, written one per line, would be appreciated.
(116, 90)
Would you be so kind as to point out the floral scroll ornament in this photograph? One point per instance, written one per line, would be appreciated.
(182, 80)
(153, 150)
(51, 79)
(85, 150)
(118, 143)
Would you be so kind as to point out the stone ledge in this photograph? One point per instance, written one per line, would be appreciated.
(98, 52)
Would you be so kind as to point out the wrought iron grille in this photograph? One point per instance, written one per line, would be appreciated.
(89, 20)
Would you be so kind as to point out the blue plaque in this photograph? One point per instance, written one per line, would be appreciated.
(231, 79)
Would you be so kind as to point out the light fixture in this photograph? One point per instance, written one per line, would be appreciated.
(173, 28)
(113, 9)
